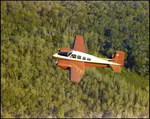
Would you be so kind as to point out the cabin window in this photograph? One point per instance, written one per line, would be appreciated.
(89, 59)
(84, 58)
(78, 57)
(73, 56)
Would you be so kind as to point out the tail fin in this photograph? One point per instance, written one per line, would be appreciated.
(118, 57)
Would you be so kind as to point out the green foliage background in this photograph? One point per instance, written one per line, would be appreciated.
(31, 32)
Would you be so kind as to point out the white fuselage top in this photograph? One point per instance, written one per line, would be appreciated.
(84, 57)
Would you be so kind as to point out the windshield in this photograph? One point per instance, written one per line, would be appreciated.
(69, 53)
(63, 53)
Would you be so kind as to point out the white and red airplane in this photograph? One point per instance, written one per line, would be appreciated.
(75, 60)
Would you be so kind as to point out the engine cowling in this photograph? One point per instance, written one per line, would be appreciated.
(64, 64)
(63, 67)
(65, 50)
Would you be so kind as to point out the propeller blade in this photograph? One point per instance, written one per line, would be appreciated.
(58, 49)
(56, 62)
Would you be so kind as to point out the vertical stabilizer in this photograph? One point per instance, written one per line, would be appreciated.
(118, 57)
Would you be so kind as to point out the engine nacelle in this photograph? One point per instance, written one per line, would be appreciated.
(63, 67)
(64, 64)
(65, 50)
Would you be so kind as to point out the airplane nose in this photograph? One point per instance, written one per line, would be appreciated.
(55, 56)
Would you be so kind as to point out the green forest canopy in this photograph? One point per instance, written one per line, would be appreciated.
(31, 32)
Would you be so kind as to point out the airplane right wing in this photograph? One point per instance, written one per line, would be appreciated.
(79, 44)
(77, 71)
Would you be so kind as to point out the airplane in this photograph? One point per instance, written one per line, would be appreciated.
(75, 60)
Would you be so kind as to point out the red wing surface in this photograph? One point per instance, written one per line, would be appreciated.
(77, 71)
(79, 44)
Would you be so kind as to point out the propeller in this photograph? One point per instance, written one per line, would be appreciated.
(58, 49)
(60, 42)
(56, 62)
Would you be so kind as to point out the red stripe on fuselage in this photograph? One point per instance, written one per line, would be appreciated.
(92, 64)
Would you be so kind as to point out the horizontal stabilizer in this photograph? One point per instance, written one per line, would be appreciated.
(115, 68)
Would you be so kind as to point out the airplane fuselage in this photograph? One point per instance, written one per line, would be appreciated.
(87, 59)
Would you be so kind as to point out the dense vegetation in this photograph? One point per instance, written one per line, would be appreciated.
(31, 32)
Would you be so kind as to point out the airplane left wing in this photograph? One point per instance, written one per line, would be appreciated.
(79, 44)
(77, 71)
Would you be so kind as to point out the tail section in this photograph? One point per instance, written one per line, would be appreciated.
(118, 58)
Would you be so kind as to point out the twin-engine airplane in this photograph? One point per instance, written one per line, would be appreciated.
(75, 60)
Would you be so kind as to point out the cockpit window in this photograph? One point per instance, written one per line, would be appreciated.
(73, 56)
(69, 53)
(63, 53)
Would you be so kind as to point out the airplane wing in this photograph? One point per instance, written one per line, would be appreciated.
(79, 44)
(77, 71)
